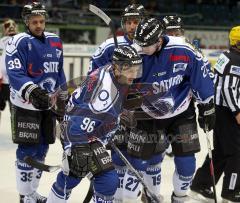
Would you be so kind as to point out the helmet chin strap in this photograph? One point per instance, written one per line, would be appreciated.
(238, 45)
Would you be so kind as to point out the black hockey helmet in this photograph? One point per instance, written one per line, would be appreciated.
(35, 8)
(127, 57)
(172, 22)
(133, 10)
(148, 32)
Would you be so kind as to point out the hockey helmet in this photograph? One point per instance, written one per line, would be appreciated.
(132, 10)
(234, 36)
(148, 32)
(35, 8)
(172, 22)
(127, 59)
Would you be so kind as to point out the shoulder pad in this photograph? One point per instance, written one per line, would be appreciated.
(109, 43)
(183, 43)
(15, 41)
(221, 63)
(49, 34)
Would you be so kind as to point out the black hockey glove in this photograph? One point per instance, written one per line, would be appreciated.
(4, 95)
(127, 119)
(37, 96)
(133, 102)
(62, 99)
(206, 117)
(2, 102)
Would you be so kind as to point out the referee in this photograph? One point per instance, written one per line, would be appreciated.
(226, 153)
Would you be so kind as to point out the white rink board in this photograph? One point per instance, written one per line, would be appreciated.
(7, 169)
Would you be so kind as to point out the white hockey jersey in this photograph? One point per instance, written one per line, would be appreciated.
(3, 72)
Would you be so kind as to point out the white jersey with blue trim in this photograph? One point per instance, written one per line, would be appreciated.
(3, 44)
(103, 55)
(93, 109)
(175, 74)
(30, 60)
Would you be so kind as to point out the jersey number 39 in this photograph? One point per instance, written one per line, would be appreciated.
(14, 64)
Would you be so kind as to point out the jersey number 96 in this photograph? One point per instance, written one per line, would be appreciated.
(87, 125)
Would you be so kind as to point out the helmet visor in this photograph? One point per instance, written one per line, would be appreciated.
(129, 72)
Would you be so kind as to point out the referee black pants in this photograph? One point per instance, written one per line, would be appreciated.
(226, 154)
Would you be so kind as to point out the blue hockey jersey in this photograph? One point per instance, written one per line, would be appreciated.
(33, 61)
(175, 74)
(94, 108)
(104, 53)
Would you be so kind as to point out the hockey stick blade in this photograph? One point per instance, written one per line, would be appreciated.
(38, 165)
(97, 11)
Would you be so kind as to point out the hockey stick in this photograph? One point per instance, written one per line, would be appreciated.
(41, 166)
(152, 196)
(211, 164)
(97, 11)
(89, 193)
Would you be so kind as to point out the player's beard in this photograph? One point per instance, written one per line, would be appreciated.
(131, 35)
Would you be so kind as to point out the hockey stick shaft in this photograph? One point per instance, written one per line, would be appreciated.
(211, 164)
(97, 11)
(41, 166)
(135, 172)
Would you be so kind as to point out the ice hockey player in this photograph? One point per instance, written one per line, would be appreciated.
(226, 157)
(130, 18)
(92, 118)
(173, 25)
(9, 28)
(34, 63)
(177, 73)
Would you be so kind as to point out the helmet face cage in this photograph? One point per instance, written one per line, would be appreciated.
(132, 11)
(148, 32)
(36, 8)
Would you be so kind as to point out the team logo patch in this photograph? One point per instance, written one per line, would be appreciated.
(58, 53)
(104, 96)
(29, 46)
(235, 70)
(48, 84)
(221, 63)
(179, 67)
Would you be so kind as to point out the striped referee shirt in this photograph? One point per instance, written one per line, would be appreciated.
(227, 75)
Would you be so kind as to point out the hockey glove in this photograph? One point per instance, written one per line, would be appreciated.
(127, 119)
(62, 99)
(2, 102)
(37, 96)
(206, 117)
